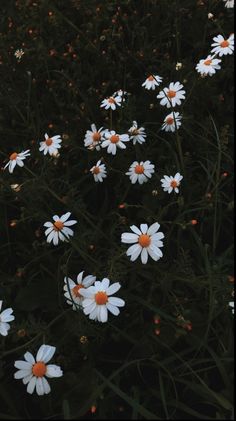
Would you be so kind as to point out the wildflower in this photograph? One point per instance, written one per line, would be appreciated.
(137, 135)
(114, 140)
(210, 16)
(58, 230)
(231, 304)
(50, 145)
(172, 96)
(223, 46)
(98, 301)
(147, 241)
(19, 53)
(172, 122)
(120, 93)
(16, 159)
(33, 372)
(178, 66)
(72, 289)
(140, 171)
(94, 137)
(111, 102)
(152, 81)
(171, 183)
(99, 171)
(5, 317)
(208, 66)
(229, 3)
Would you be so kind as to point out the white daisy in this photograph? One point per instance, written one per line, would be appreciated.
(72, 289)
(172, 96)
(33, 372)
(152, 81)
(98, 301)
(137, 134)
(172, 122)
(208, 66)
(231, 304)
(140, 171)
(99, 171)
(5, 317)
(94, 137)
(111, 102)
(16, 159)
(229, 3)
(223, 46)
(114, 140)
(171, 183)
(58, 230)
(50, 145)
(147, 241)
(121, 94)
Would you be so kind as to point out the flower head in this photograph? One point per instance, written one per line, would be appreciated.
(99, 171)
(33, 372)
(113, 141)
(152, 81)
(6, 316)
(172, 96)
(16, 159)
(223, 46)
(98, 301)
(208, 66)
(72, 289)
(137, 134)
(112, 102)
(59, 229)
(93, 138)
(140, 171)
(229, 3)
(172, 122)
(146, 241)
(50, 145)
(19, 53)
(171, 183)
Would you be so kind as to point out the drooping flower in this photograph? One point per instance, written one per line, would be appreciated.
(59, 229)
(94, 138)
(99, 171)
(6, 316)
(137, 134)
(33, 372)
(114, 141)
(208, 66)
(146, 241)
(140, 172)
(16, 159)
(111, 102)
(50, 145)
(170, 183)
(72, 289)
(222, 46)
(98, 301)
(152, 81)
(172, 96)
(172, 122)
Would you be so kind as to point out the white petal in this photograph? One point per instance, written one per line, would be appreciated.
(23, 365)
(29, 357)
(113, 288)
(113, 309)
(144, 228)
(53, 371)
(39, 386)
(153, 228)
(46, 386)
(115, 301)
(22, 373)
(31, 385)
(144, 256)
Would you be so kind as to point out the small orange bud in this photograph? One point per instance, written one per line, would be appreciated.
(13, 223)
(225, 174)
(21, 333)
(156, 320)
(93, 409)
(50, 125)
(231, 278)
(157, 332)
(194, 222)
(122, 206)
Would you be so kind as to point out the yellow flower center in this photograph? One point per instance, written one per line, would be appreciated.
(39, 369)
(224, 44)
(58, 225)
(170, 120)
(96, 137)
(13, 156)
(144, 240)
(208, 62)
(114, 138)
(174, 184)
(48, 141)
(111, 100)
(139, 169)
(151, 78)
(171, 94)
(101, 298)
(96, 170)
(76, 289)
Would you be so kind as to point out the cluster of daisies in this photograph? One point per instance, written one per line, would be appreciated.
(221, 47)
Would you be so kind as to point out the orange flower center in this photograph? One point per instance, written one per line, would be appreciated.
(76, 289)
(170, 120)
(208, 62)
(171, 94)
(144, 240)
(48, 141)
(111, 100)
(174, 184)
(224, 44)
(101, 298)
(13, 156)
(96, 170)
(58, 225)
(114, 138)
(139, 169)
(39, 369)
(151, 78)
(96, 137)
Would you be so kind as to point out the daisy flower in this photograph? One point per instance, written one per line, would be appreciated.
(231, 305)
(172, 122)
(140, 171)
(16, 159)
(229, 3)
(223, 46)
(72, 289)
(173, 95)
(50, 145)
(94, 137)
(171, 183)
(33, 372)
(152, 81)
(111, 102)
(147, 241)
(58, 230)
(99, 171)
(114, 141)
(137, 134)
(120, 93)
(98, 301)
(5, 317)
(208, 66)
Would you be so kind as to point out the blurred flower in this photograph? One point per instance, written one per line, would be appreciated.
(98, 301)
(5, 317)
(152, 81)
(16, 187)
(140, 171)
(147, 242)
(72, 289)
(50, 145)
(114, 140)
(178, 66)
(208, 66)
(16, 159)
(137, 134)
(172, 122)
(19, 53)
(171, 183)
(231, 304)
(210, 16)
(172, 96)
(120, 93)
(229, 3)
(111, 102)
(94, 137)
(33, 372)
(59, 230)
(223, 46)
(99, 171)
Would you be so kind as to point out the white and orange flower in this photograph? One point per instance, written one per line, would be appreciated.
(6, 316)
(99, 171)
(172, 122)
(140, 172)
(137, 134)
(172, 96)
(59, 229)
(94, 137)
(170, 183)
(50, 145)
(208, 66)
(113, 141)
(16, 159)
(223, 46)
(111, 103)
(72, 289)
(152, 81)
